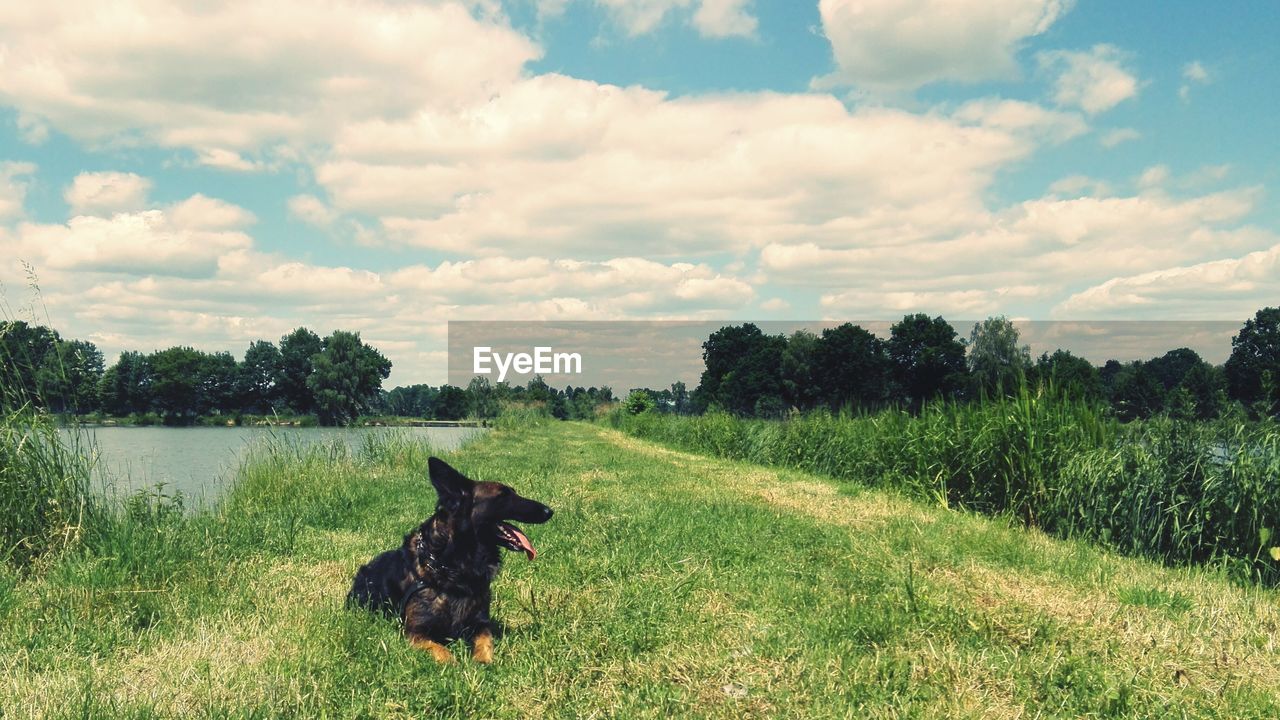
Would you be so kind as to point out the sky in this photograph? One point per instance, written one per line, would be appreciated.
(211, 173)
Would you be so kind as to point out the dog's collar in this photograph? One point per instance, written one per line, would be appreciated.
(414, 589)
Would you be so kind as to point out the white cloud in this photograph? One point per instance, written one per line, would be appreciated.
(236, 78)
(104, 193)
(1093, 81)
(189, 239)
(1229, 288)
(311, 210)
(1112, 138)
(1080, 185)
(1194, 73)
(1051, 245)
(638, 17)
(13, 187)
(903, 44)
(589, 170)
(725, 18)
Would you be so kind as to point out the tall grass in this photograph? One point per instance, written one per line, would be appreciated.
(1176, 491)
(44, 487)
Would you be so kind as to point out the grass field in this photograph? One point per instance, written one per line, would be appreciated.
(667, 585)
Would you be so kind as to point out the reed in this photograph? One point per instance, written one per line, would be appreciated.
(1177, 491)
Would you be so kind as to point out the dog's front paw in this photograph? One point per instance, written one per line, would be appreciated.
(482, 651)
(438, 652)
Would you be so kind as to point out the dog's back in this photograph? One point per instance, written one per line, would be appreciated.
(378, 584)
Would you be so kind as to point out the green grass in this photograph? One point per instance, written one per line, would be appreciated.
(1179, 492)
(44, 488)
(667, 585)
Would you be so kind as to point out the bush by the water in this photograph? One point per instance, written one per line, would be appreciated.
(1176, 491)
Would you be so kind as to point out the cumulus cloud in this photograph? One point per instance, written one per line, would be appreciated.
(900, 45)
(1045, 248)
(1093, 81)
(174, 74)
(725, 18)
(104, 193)
(1228, 288)
(588, 169)
(312, 210)
(13, 187)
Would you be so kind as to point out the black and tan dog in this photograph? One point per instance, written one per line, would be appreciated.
(438, 580)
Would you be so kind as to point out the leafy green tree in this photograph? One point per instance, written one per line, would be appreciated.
(346, 375)
(743, 371)
(69, 376)
(127, 386)
(799, 382)
(1206, 387)
(451, 403)
(1136, 392)
(219, 384)
(261, 378)
(851, 368)
(177, 383)
(411, 401)
(23, 352)
(927, 359)
(482, 398)
(679, 398)
(1073, 376)
(297, 352)
(1253, 370)
(997, 363)
(638, 402)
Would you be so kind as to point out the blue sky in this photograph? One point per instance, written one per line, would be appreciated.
(212, 176)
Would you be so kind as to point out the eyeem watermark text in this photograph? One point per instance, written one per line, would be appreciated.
(543, 361)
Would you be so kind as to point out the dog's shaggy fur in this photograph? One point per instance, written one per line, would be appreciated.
(438, 580)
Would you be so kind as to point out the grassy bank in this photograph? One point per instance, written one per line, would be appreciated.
(1175, 491)
(667, 585)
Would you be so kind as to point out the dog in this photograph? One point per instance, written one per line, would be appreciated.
(438, 580)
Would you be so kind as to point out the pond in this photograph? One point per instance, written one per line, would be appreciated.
(199, 461)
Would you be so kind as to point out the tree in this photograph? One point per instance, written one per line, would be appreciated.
(639, 402)
(23, 352)
(1136, 392)
(1074, 377)
(410, 401)
(177, 374)
(451, 403)
(927, 358)
(679, 398)
(69, 376)
(997, 363)
(346, 375)
(297, 351)
(743, 371)
(127, 386)
(1253, 370)
(482, 398)
(851, 368)
(261, 378)
(799, 385)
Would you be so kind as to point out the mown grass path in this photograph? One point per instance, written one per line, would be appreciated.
(667, 585)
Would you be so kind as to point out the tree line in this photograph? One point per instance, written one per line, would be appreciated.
(335, 379)
(752, 374)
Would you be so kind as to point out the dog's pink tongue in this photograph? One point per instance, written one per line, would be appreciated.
(525, 545)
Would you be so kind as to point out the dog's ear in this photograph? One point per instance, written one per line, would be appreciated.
(452, 487)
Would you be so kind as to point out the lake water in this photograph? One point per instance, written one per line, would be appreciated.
(199, 461)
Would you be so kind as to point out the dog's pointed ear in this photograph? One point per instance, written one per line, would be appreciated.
(450, 484)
